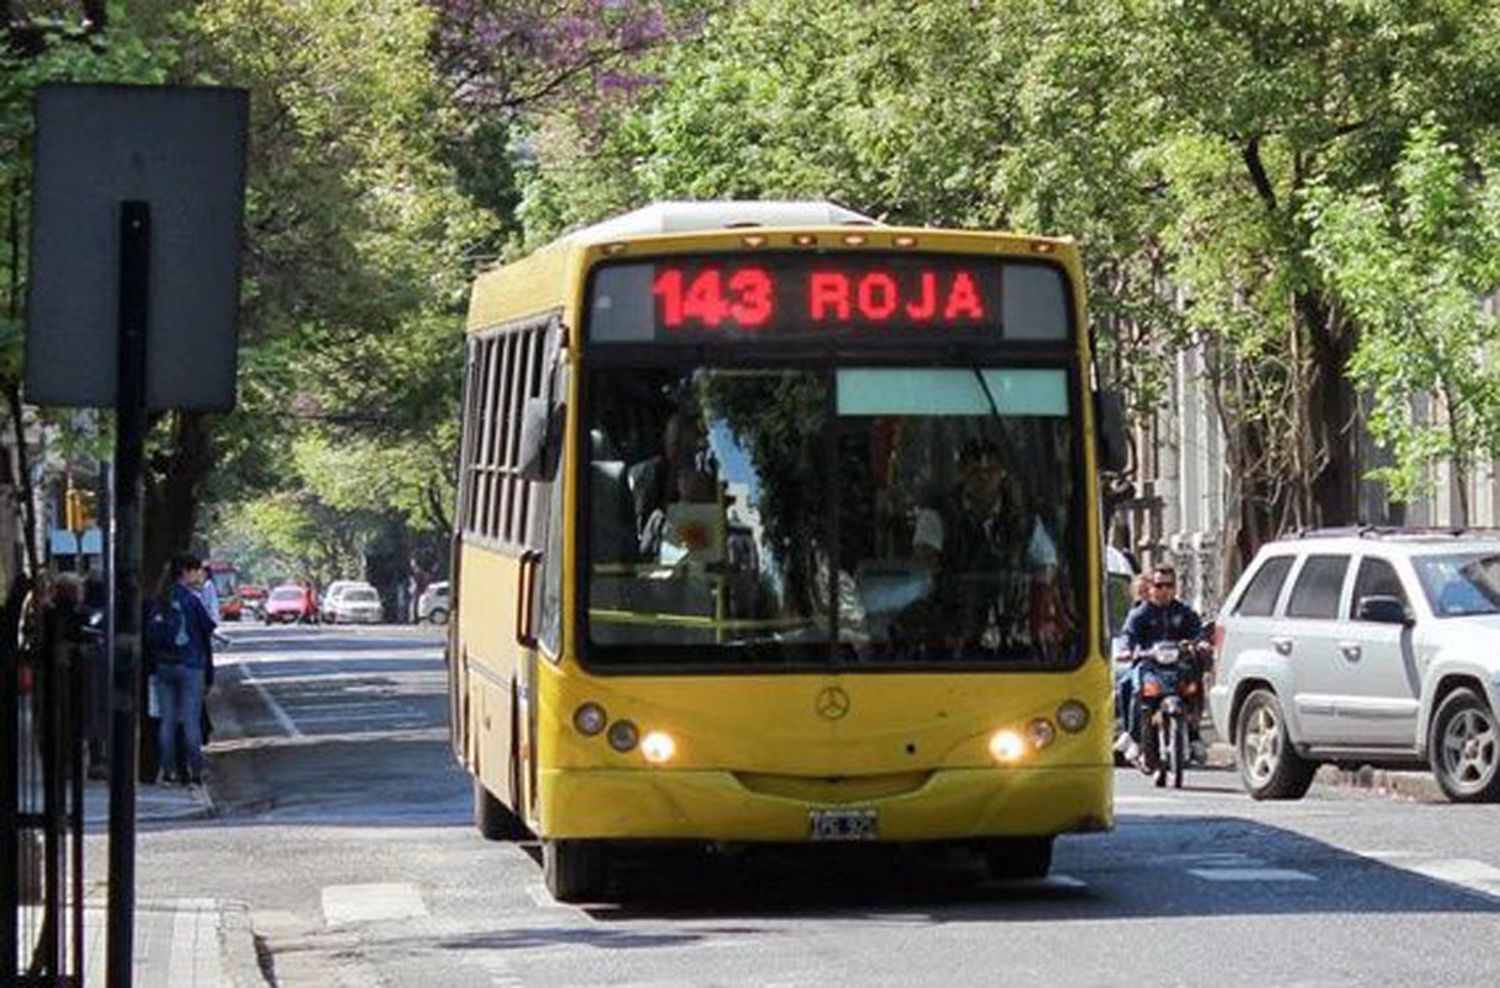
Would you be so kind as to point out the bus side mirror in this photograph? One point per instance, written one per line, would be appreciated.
(541, 439)
(1109, 414)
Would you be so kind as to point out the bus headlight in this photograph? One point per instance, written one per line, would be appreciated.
(589, 719)
(1007, 746)
(623, 736)
(1041, 732)
(658, 747)
(1072, 716)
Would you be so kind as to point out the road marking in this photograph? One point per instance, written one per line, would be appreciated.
(276, 710)
(1145, 800)
(364, 716)
(1252, 875)
(371, 902)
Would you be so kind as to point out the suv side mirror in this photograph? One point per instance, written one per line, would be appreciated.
(1382, 609)
(1109, 417)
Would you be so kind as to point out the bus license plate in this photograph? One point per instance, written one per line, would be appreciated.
(844, 824)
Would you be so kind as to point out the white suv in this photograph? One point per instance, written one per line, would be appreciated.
(1353, 646)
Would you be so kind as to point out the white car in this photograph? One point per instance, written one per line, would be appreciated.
(331, 596)
(433, 604)
(1353, 646)
(358, 603)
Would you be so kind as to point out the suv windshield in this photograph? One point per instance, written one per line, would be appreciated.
(1461, 583)
(902, 516)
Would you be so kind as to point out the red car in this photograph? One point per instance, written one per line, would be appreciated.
(291, 604)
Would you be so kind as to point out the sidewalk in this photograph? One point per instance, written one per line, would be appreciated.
(179, 943)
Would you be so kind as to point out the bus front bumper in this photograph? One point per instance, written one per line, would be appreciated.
(953, 804)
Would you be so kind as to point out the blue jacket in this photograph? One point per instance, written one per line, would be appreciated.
(198, 653)
(1149, 624)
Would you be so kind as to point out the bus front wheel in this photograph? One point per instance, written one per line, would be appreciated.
(1015, 858)
(574, 870)
(493, 819)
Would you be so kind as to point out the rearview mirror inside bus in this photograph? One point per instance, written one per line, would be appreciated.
(541, 437)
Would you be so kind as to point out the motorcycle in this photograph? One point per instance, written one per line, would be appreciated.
(1171, 683)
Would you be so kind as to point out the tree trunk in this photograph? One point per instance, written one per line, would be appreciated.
(1332, 411)
(173, 488)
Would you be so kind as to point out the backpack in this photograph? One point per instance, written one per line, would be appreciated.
(166, 632)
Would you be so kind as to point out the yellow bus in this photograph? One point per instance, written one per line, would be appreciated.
(777, 524)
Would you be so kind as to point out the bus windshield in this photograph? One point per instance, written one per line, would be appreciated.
(898, 516)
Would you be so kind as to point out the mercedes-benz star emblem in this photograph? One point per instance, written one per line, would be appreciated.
(831, 703)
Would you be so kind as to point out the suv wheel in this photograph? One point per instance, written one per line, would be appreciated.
(1269, 768)
(1463, 745)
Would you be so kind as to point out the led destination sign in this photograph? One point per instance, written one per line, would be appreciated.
(771, 295)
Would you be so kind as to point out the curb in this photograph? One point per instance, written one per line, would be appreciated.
(1419, 786)
(237, 953)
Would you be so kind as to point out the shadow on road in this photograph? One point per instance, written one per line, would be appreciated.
(1182, 866)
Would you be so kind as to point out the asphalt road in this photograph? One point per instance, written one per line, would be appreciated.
(343, 826)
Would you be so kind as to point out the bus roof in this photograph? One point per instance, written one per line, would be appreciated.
(689, 217)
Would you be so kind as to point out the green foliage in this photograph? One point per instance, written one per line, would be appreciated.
(359, 247)
(1411, 269)
(1177, 141)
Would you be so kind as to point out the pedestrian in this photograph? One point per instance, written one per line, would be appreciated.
(209, 594)
(96, 695)
(179, 642)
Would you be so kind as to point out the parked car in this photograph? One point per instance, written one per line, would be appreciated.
(1377, 646)
(331, 595)
(290, 604)
(254, 599)
(357, 603)
(432, 606)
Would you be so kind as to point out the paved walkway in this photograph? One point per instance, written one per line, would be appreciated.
(179, 943)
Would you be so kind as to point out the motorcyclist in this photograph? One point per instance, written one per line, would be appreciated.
(1162, 617)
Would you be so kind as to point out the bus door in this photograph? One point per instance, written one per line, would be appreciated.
(539, 592)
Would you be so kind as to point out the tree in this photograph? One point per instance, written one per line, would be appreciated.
(1411, 269)
(358, 247)
(1179, 142)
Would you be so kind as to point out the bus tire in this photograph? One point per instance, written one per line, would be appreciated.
(1018, 858)
(493, 819)
(574, 870)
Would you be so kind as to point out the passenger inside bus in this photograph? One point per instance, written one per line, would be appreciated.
(663, 487)
(951, 561)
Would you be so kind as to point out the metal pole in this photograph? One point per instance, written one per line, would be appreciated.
(130, 429)
(10, 785)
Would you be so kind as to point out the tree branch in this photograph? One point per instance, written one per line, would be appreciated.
(1251, 154)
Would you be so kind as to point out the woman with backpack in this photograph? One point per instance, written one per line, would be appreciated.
(179, 649)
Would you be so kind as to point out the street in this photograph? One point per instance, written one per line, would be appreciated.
(342, 824)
